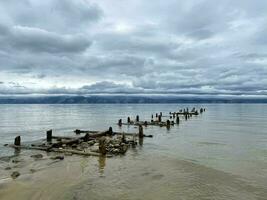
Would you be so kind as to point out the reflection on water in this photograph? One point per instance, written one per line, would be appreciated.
(218, 155)
(101, 164)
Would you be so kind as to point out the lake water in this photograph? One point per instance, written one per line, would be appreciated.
(221, 154)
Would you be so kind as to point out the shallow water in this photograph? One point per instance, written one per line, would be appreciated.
(221, 154)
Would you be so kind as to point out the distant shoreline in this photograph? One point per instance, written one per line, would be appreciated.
(110, 99)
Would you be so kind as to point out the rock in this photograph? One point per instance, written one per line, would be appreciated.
(5, 145)
(91, 142)
(57, 158)
(115, 151)
(37, 156)
(8, 168)
(33, 170)
(15, 161)
(15, 174)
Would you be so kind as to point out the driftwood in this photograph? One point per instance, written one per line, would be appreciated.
(58, 150)
(95, 134)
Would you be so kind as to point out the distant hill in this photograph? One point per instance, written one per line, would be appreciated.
(123, 99)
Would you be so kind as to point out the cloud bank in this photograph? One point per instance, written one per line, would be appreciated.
(85, 47)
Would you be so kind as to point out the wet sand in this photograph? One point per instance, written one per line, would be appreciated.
(133, 176)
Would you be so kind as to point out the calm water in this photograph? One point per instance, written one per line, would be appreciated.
(226, 145)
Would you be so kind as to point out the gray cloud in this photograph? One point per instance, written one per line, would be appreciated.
(174, 47)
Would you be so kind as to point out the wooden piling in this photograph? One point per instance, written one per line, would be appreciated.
(128, 120)
(159, 118)
(49, 135)
(120, 122)
(177, 120)
(110, 131)
(17, 141)
(141, 131)
(137, 118)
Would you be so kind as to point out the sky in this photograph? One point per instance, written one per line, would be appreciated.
(83, 47)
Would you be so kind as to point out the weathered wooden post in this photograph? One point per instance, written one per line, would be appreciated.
(17, 141)
(152, 116)
(120, 122)
(102, 145)
(185, 116)
(156, 114)
(160, 113)
(137, 118)
(128, 120)
(177, 120)
(123, 139)
(110, 131)
(141, 131)
(201, 110)
(159, 118)
(49, 135)
(145, 123)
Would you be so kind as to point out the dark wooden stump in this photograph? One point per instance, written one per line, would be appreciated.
(168, 123)
(128, 120)
(137, 118)
(145, 123)
(177, 120)
(49, 135)
(110, 131)
(17, 141)
(141, 131)
(120, 122)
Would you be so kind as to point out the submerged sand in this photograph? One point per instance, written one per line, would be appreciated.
(133, 176)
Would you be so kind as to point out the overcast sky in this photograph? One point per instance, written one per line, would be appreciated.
(133, 46)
